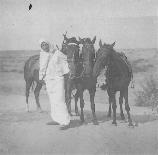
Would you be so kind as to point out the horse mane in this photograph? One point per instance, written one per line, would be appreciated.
(120, 56)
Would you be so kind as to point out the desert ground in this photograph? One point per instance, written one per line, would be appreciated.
(27, 133)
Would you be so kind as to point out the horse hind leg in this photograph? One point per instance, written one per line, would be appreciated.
(127, 107)
(114, 106)
(76, 100)
(68, 99)
(68, 104)
(121, 102)
(92, 94)
(80, 90)
(109, 111)
(27, 91)
(36, 93)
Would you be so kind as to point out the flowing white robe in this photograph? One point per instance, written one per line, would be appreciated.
(52, 69)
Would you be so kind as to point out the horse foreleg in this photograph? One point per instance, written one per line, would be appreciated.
(36, 93)
(68, 97)
(80, 90)
(127, 107)
(92, 94)
(76, 100)
(109, 111)
(114, 106)
(82, 106)
(68, 103)
(27, 91)
(121, 102)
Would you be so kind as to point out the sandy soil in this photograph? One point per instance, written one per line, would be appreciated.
(27, 133)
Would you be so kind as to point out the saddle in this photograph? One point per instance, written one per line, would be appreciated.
(128, 64)
(125, 60)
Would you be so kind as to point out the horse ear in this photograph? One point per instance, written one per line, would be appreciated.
(57, 47)
(113, 44)
(94, 39)
(65, 38)
(81, 41)
(100, 43)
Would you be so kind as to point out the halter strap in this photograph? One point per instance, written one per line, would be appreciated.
(72, 44)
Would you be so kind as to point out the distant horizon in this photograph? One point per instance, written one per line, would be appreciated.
(154, 48)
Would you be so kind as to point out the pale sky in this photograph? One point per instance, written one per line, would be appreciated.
(131, 23)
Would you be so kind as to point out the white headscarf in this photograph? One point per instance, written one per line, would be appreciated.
(51, 46)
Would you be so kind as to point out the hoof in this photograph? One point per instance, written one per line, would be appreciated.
(95, 122)
(77, 113)
(114, 122)
(130, 124)
(82, 122)
(82, 118)
(124, 121)
(70, 114)
(122, 117)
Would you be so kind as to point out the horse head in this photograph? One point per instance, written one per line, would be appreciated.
(103, 56)
(70, 47)
(88, 54)
(88, 47)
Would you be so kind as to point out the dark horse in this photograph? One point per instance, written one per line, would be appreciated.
(87, 81)
(118, 77)
(31, 76)
(70, 47)
(82, 79)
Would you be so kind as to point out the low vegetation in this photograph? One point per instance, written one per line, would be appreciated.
(148, 95)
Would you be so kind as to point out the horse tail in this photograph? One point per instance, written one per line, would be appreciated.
(72, 95)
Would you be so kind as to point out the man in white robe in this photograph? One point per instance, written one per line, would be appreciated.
(53, 65)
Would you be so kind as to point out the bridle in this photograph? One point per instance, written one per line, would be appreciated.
(85, 61)
(72, 60)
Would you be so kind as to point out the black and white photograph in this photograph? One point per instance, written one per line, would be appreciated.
(78, 77)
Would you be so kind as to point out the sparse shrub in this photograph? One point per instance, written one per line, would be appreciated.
(148, 96)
